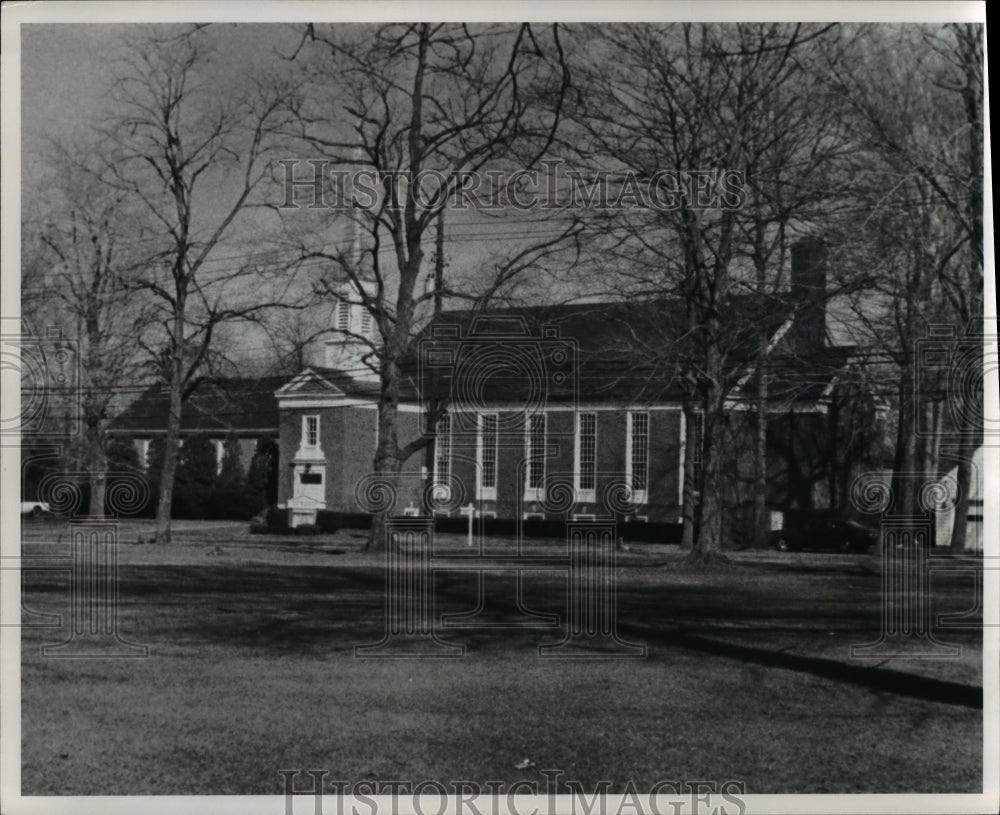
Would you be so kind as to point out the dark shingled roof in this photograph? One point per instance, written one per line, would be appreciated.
(792, 378)
(628, 352)
(216, 406)
(615, 352)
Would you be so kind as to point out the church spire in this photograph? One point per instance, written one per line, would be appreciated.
(354, 325)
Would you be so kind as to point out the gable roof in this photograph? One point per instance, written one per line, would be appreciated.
(320, 380)
(620, 351)
(628, 352)
(622, 325)
(795, 378)
(241, 405)
(308, 381)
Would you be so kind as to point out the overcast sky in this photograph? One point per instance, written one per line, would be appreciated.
(67, 74)
(67, 71)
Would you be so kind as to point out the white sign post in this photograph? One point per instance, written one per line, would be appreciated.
(471, 510)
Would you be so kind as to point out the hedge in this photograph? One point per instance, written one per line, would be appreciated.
(329, 521)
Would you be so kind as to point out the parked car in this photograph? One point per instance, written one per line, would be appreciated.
(34, 508)
(823, 531)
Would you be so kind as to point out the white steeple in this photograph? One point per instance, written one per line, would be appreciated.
(353, 322)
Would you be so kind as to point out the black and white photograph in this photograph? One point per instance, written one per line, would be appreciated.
(523, 408)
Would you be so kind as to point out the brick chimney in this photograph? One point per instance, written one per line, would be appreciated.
(808, 295)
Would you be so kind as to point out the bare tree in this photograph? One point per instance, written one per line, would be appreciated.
(293, 337)
(794, 181)
(702, 112)
(915, 100)
(194, 158)
(84, 246)
(421, 109)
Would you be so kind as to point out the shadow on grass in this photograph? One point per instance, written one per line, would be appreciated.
(327, 610)
(883, 679)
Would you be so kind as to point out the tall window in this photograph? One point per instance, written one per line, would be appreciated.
(535, 454)
(638, 455)
(220, 454)
(310, 431)
(586, 456)
(343, 315)
(488, 456)
(442, 450)
(699, 446)
(367, 323)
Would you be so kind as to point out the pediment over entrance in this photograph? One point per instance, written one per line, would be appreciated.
(309, 382)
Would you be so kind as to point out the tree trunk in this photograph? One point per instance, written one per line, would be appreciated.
(387, 462)
(171, 446)
(688, 498)
(933, 448)
(708, 541)
(760, 520)
(388, 470)
(760, 517)
(926, 443)
(837, 455)
(969, 409)
(904, 460)
(98, 466)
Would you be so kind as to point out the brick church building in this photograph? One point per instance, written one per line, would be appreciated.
(566, 411)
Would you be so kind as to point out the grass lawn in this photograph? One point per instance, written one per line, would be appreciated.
(252, 670)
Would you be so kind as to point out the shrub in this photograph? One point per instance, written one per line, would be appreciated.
(228, 504)
(262, 476)
(228, 499)
(307, 529)
(276, 518)
(195, 479)
(263, 529)
(231, 473)
(327, 520)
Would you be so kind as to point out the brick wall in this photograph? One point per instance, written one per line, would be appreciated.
(348, 437)
(664, 461)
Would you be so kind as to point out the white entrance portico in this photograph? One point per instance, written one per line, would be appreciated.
(309, 474)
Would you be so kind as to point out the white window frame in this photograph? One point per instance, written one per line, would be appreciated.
(144, 453)
(305, 431)
(534, 493)
(443, 478)
(485, 493)
(682, 446)
(638, 496)
(588, 495)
